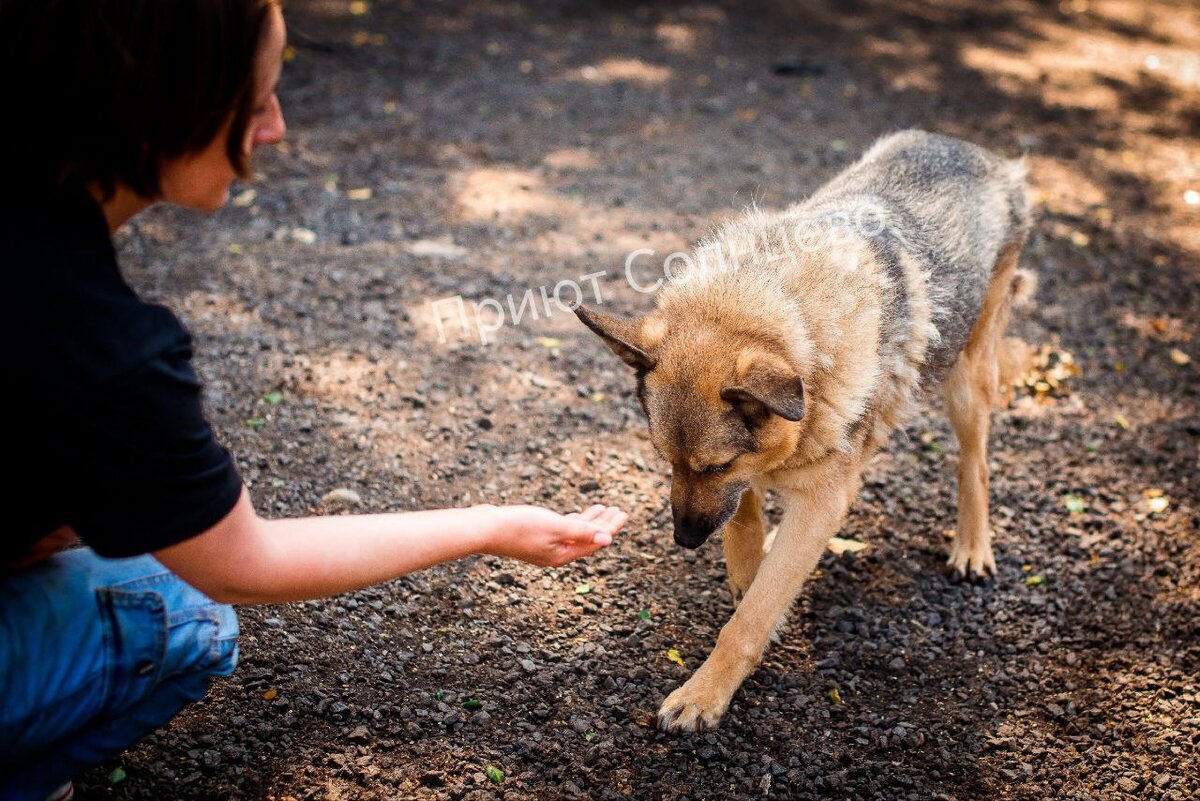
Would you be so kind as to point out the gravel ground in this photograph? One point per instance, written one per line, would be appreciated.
(509, 146)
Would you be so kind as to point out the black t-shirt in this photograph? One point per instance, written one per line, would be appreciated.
(105, 408)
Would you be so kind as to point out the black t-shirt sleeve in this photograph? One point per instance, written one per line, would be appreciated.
(145, 467)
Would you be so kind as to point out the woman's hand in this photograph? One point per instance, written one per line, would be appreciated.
(548, 539)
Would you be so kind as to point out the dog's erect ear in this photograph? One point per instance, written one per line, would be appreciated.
(624, 337)
(767, 386)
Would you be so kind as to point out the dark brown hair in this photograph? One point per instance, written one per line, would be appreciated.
(107, 90)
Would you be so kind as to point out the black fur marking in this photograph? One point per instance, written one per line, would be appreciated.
(887, 248)
(640, 377)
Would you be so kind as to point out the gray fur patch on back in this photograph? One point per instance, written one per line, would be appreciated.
(952, 206)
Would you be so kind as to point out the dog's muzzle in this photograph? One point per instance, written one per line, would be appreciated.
(693, 533)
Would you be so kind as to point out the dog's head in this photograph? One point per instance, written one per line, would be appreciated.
(722, 402)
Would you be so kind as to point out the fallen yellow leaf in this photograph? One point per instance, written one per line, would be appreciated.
(834, 695)
(269, 695)
(673, 656)
(1179, 357)
(840, 546)
(549, 342)
(1122, 421)
(1156, 501)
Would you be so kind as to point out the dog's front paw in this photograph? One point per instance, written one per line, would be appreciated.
(977, 559)
(696, 706)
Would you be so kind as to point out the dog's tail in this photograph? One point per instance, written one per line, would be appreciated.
(1014, 356)
(1023, 288)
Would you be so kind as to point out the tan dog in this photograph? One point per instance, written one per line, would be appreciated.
(795, 342)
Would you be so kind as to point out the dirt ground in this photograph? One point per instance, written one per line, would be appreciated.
(486, 148)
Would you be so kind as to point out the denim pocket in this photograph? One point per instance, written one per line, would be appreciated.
(135, 644)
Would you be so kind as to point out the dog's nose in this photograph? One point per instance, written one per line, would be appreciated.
(692, 533)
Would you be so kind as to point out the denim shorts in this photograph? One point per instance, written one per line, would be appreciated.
(95, 654)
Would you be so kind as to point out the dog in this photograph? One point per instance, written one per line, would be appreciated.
(790, 344)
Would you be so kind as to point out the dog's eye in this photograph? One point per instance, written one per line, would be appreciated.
(717, 468)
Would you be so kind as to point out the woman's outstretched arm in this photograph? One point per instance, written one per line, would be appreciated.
(245, 559)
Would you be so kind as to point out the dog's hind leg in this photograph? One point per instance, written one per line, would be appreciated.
(969, 391)
(744, 544)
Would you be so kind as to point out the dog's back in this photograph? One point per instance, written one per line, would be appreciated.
(871, 287)
(949, 204)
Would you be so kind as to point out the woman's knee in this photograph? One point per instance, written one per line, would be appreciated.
(225, 641)
(198, 635)
(202, 635)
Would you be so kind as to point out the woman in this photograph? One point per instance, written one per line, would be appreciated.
(132, 102)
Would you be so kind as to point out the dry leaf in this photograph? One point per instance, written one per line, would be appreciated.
(1156, 501)
(269, 695)
(1042, 372)
(343, 496)
(840, 546)
(1179, 357)
(1121, 420)
(436, 248)
(673, 656)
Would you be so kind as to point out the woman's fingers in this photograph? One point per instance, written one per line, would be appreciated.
(611, 518)
(596, 525)
(593, 512)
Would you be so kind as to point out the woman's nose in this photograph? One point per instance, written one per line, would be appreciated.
(272, 128)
